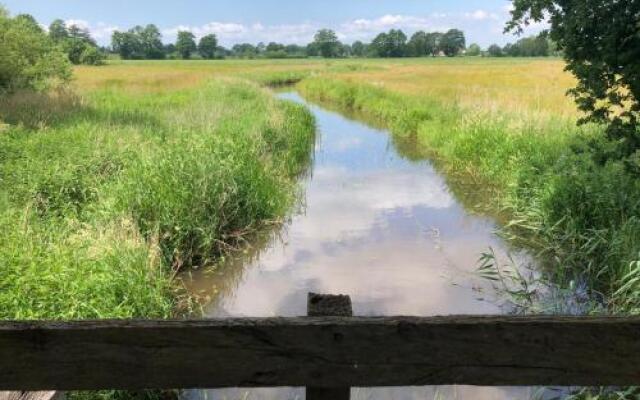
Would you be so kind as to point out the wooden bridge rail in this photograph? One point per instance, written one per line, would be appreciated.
(320, 352)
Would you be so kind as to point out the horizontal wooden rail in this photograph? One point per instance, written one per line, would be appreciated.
(320, 352)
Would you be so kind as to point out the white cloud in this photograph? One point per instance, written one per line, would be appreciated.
(480, 15)
(232, 33)
(101, 31)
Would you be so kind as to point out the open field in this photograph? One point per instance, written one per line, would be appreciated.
(166, 164)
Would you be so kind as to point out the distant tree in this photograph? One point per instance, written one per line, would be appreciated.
(58, 30)
(397, 43)
(600, 42)
(28, 19)
(417, 46)
(30, 59)
(294, 50)
(273, 47)
(358, 49)
(391, 44)
(208, 46)
(453, 42)
(433, 41)
(474, 50)
(150, 40)
(494, 51)
(245, 50)
(128, 44)
(76, 42)
(327, 43)
(186, 44)
(346, 50)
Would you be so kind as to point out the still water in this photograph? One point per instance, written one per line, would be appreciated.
(374, 224)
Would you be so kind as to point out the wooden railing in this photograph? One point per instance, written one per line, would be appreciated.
(328, 354)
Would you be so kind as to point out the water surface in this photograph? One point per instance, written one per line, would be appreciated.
(374, 224)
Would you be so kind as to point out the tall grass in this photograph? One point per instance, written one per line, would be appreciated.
(103, 198)
(580, 216)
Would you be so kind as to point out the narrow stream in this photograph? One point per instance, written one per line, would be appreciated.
(375, 225)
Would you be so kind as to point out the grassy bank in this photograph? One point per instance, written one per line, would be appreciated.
(581, 216)
(103, 197)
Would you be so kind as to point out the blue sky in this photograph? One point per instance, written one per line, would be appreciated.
(287, 21)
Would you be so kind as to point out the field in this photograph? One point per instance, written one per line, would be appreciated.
(164, 165)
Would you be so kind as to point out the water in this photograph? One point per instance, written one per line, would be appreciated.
(375, 225)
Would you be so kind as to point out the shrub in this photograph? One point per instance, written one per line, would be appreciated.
(28, 58)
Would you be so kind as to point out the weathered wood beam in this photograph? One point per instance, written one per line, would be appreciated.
(320, 352)
(326, 305)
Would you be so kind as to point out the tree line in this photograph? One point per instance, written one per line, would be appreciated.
(140, 43)
(532, 46)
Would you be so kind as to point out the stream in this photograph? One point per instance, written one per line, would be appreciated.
(374, 224)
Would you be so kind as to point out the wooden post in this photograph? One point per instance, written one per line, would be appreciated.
(319, 305)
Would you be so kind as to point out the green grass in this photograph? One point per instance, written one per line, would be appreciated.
(580, 217)
(103, 200)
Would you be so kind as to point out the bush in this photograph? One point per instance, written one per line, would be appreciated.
(91, 56)
(28, 58)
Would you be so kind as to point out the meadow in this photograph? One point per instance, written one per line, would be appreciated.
(108, 191)
(140, 169)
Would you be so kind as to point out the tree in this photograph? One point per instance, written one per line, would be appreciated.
(600, 42)
(358, 49)
(433, 41)
(494, 50)
(127, 44)
(391, 44)
(453, 42)
(417, 46)
(208, 46)
(76, 42)
(245, 50)
(30, 59)
(474, 50)
(186, 44)
(58, 30)
(327, 43)
(150, 40)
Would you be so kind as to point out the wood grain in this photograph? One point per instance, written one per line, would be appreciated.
(320, 352)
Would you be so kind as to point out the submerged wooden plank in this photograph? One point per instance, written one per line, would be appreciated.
(320, 352)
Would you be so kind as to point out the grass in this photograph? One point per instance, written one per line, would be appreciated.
(105, 196)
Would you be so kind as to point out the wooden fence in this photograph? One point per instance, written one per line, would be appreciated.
(325, 353)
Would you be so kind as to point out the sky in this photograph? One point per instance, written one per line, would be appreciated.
(283, 21)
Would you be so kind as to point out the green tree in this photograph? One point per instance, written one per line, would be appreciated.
(327, 44)
(474, 50)
(358, 49)
(601, 44)
(76, 42)
(244, 50)
(453, 42)
(495, 51)
(186, 44)
(127, 44)
(150, 40)
(391, 44)
(208, 46)
(433, 42)
(29, 59)
(58, 30)
(417, 46)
